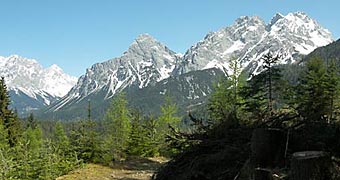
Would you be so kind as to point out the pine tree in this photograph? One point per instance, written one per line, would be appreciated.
(168, 114)
(152, 136)
(221, 102)
(117, 128)
(167, 118)
(269, 60)
(262, 90)
(225, 102)
(237, 81)
(84, 141)
(310, 93)
(60, 140)
(332, 89)
(254, 96)
(31, 121)
(6, 159)
(28, 154)
(138, 141)
(61, 150)
(7, 117)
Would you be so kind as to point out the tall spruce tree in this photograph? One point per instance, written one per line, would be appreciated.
(332, 89)
(269, 61)
(117, 128)
(167, 118)
(311, 100)
(6, 157)
(262, 90)
(139, 143)
(224, 103)
(7, 117)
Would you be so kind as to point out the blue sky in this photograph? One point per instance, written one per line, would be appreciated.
(75, 34)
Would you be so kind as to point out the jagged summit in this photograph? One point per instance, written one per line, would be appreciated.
(55, 67)
(32, 86)
(274, 19)
(248, 19)
(28, 74)
(146, 62)
(145, 37)
(292, 35)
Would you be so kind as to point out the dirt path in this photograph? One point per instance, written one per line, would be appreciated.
(141, 169)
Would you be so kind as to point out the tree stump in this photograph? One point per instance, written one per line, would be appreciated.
(313, 165)
(263, 174)
(267, 148)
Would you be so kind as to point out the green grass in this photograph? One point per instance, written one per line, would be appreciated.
(134, 169)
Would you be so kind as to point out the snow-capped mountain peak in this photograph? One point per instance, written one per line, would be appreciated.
(249, 38)
(55, 68)
(146, 62)
(29, 76)
(145, 37)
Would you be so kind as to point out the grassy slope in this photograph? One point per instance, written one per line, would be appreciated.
(138, 169)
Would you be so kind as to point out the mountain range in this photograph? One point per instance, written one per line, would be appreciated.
(32, 87)
(149, 69)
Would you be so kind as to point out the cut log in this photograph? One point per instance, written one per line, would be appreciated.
(267, 148)
(314, 165)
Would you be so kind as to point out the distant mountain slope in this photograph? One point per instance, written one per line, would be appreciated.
(188, 91)
(30, 85)
(331, 51)
(147, 63)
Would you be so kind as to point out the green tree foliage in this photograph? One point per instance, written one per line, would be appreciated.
(142, 140)
(60, 139)
(117, 129)
(310, 93)
(6, 160)
(167, 119)
(7, 117)
(58, 154)
(31, 121)
(225, 100)
(85, 141)
(332, 90)
(26, 154)
(83, 138)
(261, 93)
(317, 91)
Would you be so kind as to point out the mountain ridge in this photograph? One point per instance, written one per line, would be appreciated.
(248, 38)
(32, 86)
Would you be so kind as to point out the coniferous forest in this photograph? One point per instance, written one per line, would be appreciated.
(283, 123)
(32, 149)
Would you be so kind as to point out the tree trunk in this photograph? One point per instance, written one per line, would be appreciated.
(267, 147)
(313, 165)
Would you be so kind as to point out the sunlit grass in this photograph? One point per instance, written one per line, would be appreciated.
(135, 169)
